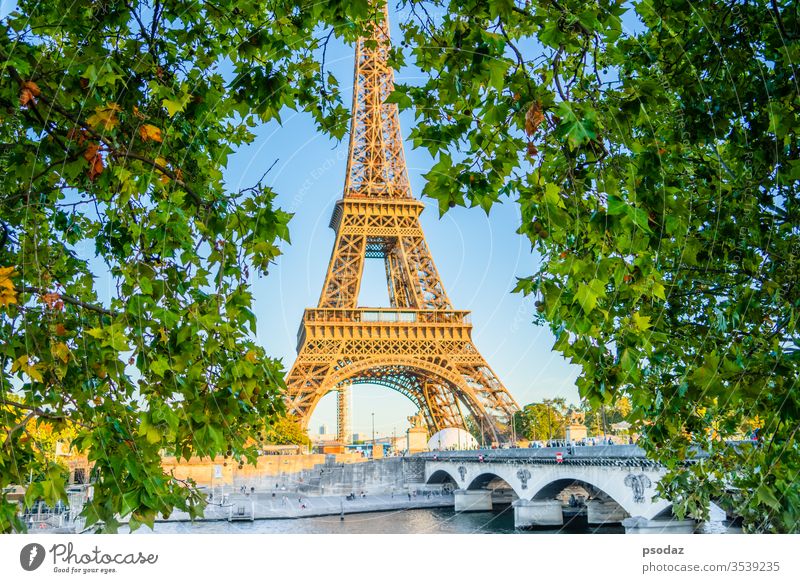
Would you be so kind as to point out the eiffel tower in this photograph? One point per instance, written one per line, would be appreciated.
(420, 346)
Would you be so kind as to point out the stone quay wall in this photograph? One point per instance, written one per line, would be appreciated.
(310, 474)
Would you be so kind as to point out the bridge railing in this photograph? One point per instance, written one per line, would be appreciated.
(539, 453)
(586, 455)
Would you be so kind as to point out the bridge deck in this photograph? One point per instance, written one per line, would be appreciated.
(618, 455)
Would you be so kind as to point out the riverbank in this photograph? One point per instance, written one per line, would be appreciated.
(266, 506)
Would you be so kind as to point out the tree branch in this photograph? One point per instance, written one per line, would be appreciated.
(69, 300)
(19, 425)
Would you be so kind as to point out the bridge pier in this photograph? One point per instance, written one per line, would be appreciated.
(604, 511)
(537, 513)
(641, 525)
(473, 500)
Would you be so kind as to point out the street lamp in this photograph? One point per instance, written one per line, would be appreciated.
(513, 429)
(373, 434)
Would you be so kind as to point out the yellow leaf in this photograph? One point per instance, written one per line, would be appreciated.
(6, 273)
(19, 363)
(658, 291)
(105, 116)
(60, 351)
(251, 357)
(24, 364)
(8, 295)
(641, 323)
(163, 163)
(150, 132)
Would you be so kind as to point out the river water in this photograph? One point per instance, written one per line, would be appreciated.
(415, 521)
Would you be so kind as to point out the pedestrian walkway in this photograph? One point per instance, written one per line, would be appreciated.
(293, 505)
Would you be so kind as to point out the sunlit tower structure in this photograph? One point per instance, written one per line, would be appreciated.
(344, 433)
(419, 346)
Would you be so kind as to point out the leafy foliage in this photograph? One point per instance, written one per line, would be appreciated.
(286, 431)
(542, 421)
(549, 418)
(657, 177)
(118, 119)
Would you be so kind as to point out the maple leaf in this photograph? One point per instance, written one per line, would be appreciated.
(91, 152)
(163, 163)
(8, 295)
(28, 93)
(104, 117)
(6, 273)
(95, 160)
(60, 351)
(96, 167)
(150, 132)
(25, 364)
(533, 118)
(53, 301)
(78, 135)
(32, 87)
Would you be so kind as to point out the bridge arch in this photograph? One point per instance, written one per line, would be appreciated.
(554, 488)
(442, 477)
(492, 481)
(632, 491)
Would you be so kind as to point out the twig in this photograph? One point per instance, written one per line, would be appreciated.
(19, 425)
(555, 74)
(68, 299)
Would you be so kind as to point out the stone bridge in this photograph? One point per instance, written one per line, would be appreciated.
(614, 484)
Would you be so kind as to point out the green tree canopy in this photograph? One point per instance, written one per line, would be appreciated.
(542, 421)
(118, 119)
(286, 431)
(656, 169)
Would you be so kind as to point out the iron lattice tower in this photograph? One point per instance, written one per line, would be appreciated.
(343, 432)
(420, 346)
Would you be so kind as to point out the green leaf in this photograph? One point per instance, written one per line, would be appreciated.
(640, 323)
(578, 124)
(175, 106)
(130, 501)
(767, 496)
(401, 98)
(588, 294)
(160, 366)
(616, 206)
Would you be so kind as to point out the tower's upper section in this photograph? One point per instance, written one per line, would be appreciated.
(376, 166)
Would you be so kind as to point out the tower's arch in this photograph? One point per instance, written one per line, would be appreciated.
(433, 388)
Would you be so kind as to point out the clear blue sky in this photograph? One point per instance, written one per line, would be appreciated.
(478, 258)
